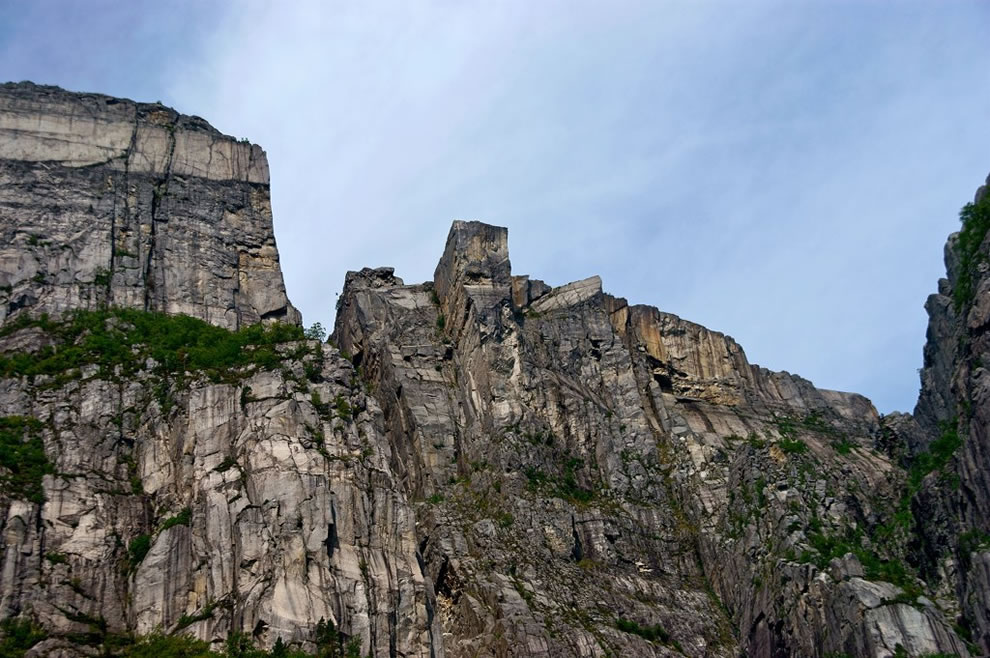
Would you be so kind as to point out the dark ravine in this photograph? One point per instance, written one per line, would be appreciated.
(481, 465)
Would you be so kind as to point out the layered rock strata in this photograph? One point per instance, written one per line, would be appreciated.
(107, 201)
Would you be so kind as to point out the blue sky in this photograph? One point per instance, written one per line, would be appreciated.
(785, 172)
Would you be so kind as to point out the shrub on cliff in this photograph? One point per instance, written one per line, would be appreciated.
(975, 219)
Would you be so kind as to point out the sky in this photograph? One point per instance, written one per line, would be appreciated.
(784, 172)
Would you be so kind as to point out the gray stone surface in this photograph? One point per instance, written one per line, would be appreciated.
(480, 465)
(618, 464)
(107, 201)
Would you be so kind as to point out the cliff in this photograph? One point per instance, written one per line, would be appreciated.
(481, 465)
(107, 201)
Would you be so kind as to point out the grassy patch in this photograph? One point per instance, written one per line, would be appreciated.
(755, 441)
(649, 633)
(843, 445)
(564, 485)
(814, 422)
(792, 446)
(827, 547)
(159, 645)
(56, 558)
(120, 341)
(19, 635)
(937, 456)
(182, 518)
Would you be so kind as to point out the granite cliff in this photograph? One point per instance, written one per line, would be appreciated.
(481, 465)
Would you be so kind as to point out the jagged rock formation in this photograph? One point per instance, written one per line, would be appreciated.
(952, 505)
(482, 465)
(594, 468)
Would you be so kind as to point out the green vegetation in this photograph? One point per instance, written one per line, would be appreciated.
(315, 331)
(23, 458)
(343, 407)
(564, 486)
(441, 321)
(56, 558)
(755, 441)
(246, 397)
(205, 613)
(786, 426)
(102, 277)
(182, 518)
(120, 341)
(792, 446)
(973, 540)
(814, 422)
(567, 486)
(138, 548)
(843, 445)
(169, 646)
(650, 633)
(975, 218)
(829, 547)
(19, 635)
(937, 457)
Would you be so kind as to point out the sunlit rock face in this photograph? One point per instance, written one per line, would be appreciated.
(482, 465)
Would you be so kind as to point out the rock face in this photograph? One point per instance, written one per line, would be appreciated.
(482, 465)
(953, 411)
(107, 201)
(594, 470)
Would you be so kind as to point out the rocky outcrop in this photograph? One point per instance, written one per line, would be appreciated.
(259, 508)
(953, 414)
(481, 465)
(107, 201)
(566, 442)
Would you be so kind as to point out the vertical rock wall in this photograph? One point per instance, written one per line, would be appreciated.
(107, 201)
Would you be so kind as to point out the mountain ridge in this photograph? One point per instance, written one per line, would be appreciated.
(476, 465)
